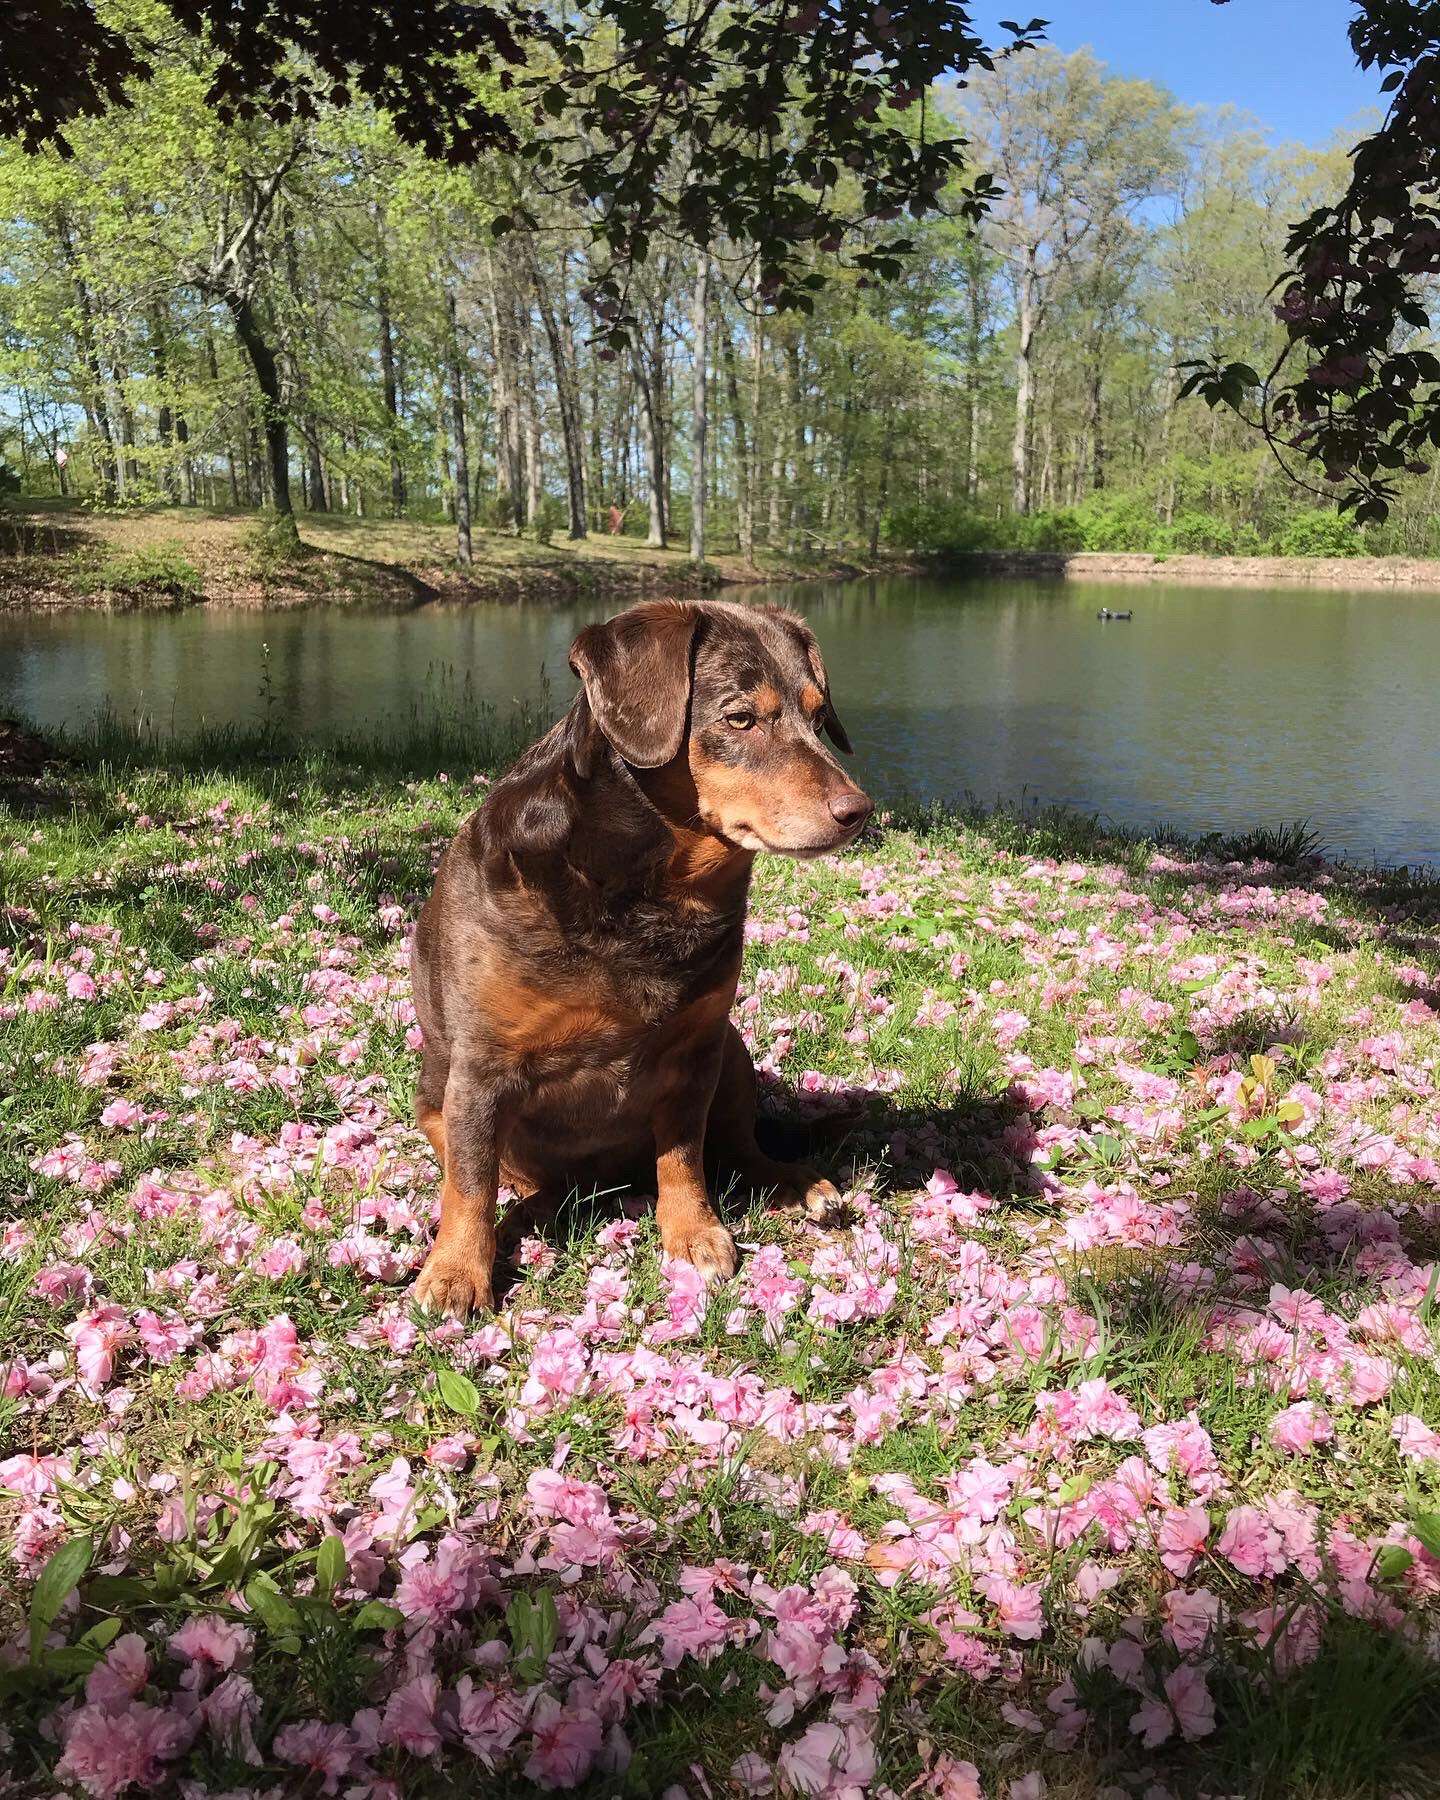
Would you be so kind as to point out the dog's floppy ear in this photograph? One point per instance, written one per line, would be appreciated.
(834, 730)
(636, 671)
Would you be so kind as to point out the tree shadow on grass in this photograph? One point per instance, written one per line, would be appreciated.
(1402, 904)
(44, 534)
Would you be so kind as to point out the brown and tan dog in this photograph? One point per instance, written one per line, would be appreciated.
(575, 967)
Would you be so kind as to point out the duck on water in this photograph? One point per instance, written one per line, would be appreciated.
(1105, 613)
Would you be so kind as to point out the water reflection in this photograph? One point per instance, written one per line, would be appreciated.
(1214, 709)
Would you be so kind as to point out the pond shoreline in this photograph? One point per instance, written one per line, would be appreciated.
(1144, 567)
(57, 559)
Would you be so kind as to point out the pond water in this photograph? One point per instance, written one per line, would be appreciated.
(1213, 709)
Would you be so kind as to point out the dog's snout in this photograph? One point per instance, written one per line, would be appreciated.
(850, 807)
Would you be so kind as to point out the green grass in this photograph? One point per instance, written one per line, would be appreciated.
(194, 870)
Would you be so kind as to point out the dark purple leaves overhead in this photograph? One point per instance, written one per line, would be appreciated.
(1357, 392)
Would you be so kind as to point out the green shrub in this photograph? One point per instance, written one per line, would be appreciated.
(273, 542)
(552, 516)
(1117, 522)
(943, 529)
(151, 571)
(495, 512)
(1205, 534)
(1320, 534)
(1055, 531)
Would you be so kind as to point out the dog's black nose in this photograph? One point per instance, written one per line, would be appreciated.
(851, 807)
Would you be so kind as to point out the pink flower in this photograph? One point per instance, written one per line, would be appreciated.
(107, 1752)
(283, 1257)
(1191, 1702)
(829, 1760)
(116, 1681)
(1182, 1538)
(58, 1281)
(490, 1718)
(752, 1774)
(439, 1588)
(410, 1717)
(1416, 1441)
(1251, 1543)
(564, 1744)
(34, 1476)
(1018, 1608)
(209, 1644)
(97, 1336)
(950, 1779)
(320, 1749)
(1190, 1618)
(558, 1367)
(1301, 1427)
(695, 1628)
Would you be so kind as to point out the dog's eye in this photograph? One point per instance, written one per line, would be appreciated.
(740, 719)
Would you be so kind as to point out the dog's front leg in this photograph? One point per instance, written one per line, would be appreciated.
(689, 1228)
(459, 1270)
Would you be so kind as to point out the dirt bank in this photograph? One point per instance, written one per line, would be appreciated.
(56, 557)
(1206, 571)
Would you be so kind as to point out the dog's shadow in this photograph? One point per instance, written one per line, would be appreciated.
(869, 1143)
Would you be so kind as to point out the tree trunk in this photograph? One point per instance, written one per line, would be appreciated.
(130, 469)
(1167, 495)
(972, 385)
(463, 552)
(1024, 394)
(507, 416)
(272, 403)
(389, 384)
(530, 414)
(654, 464)
(882, 498)
(777, 476)
(1095, 428)
(565, 398)
(744, 466)
(164, 417)
(319, 494)
(799, 516)
(699, 407)
(94, 400)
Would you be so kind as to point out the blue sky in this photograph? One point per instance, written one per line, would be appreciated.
(1286, 61)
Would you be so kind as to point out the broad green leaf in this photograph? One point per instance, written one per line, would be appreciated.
(98, 1637)
(459, 1393)
(270, 1606)
(375, 1615)
(119, 1591)
(59, 1578)
(1426, 1527)
(1392, 1562)
(330, 1565)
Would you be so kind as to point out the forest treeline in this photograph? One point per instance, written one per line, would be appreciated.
(310, 314)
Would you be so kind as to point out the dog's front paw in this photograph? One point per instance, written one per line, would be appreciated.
(708, 1248)
(454, 1284)
(802, 1189)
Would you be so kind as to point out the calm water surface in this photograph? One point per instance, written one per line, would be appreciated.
(1214, 709)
